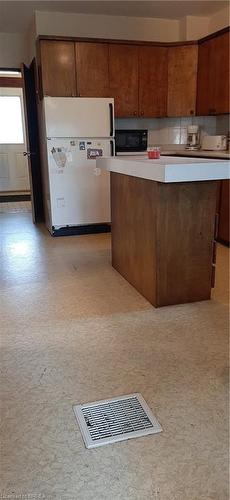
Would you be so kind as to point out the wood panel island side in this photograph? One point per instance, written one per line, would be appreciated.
(163, 225)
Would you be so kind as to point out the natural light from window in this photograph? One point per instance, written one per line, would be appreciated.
(11, 127)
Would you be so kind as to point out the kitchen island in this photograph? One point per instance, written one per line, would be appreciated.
(163, 215)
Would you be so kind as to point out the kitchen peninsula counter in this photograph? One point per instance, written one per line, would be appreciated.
(167, 168)
(163, 224)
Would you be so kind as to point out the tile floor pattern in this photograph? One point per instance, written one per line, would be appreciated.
(74, 331)
(14, 207)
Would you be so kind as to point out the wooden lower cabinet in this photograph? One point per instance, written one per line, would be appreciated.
(153, 81)
(161, 246)
(92, 63)
(57, 68)
(123, 79)
(182, 80)
(223, 227)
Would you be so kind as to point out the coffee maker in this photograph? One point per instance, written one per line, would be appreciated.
(193, 138)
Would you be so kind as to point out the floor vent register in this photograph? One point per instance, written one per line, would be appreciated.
(117, 419)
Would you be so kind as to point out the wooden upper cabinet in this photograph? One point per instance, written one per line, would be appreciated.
(219, 72)
(153, 81)
(123, 78)
(58, 68)
(182, 80)
(213, 76)
(92, 63)
(145, 80)
(204, 97)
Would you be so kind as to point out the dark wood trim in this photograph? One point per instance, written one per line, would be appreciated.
(224, 242)
(114, 41)
(213, 35)
(84, 229)
(10, 81)
(10, 69)
(39, 90)
(7, 198)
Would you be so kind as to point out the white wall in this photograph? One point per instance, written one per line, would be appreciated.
(18, 47)
(219, 20)
(195, 27)
(98, 26)
(31, 39)
(13, 50)
(130, 28)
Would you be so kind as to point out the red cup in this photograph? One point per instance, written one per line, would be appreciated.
(154, 154)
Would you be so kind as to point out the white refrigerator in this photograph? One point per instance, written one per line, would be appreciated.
(77, 193)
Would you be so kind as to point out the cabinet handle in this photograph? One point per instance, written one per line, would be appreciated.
(214, 252)
(112, 148)
(192, 112)
(216, 226)
(135, 113)
(213, 275)
(111, 118)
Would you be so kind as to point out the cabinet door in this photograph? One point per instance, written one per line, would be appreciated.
(58, 68)
(213, 76)
(92, 62)
(153, 81)
(205, 95)
(123, 78)
(219, 74)
(182, 78)
(223, 230)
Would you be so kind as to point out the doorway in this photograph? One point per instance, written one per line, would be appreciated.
(14, 173)
(20, 165)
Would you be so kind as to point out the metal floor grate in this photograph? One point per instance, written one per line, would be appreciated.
(116, 419)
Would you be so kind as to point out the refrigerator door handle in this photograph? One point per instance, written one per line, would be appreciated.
(112, 148)
(111, 118)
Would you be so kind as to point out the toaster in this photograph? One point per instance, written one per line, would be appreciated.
(214, 143)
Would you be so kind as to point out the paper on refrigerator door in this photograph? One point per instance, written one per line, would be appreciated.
(61, 156)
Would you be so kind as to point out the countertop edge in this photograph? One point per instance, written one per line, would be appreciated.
(169, 171)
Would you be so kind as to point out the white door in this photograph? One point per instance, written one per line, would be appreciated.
(79, 117)
(79, 192)
(14, 174)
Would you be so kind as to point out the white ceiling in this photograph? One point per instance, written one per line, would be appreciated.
(15, 16)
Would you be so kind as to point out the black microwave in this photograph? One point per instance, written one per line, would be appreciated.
(129, 141)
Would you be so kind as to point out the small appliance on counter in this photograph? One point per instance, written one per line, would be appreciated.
(214, 143)
(131, 141)
(193, 138)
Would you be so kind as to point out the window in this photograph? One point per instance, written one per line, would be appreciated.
(11, 126)
(16, 74)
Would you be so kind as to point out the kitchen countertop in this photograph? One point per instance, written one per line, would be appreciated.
(197, 154)
(167, 168)
(168, 151)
